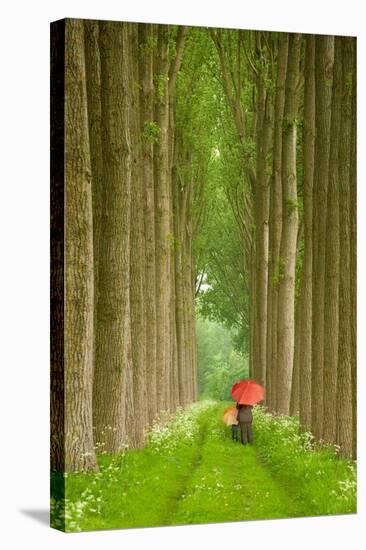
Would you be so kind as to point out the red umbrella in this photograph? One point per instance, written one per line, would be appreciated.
(235, 387)
(247, 392)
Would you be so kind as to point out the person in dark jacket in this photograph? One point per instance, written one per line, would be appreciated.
(245, 418)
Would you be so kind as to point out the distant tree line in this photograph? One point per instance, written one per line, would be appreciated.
(219, 363)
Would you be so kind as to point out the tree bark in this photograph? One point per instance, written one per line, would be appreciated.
(162, 221)
(92, 63)
(147, 35)
(137, 253)
(79, 280)
(179, 298)
(353, 251)
(176, 340)
(275, 223)
(57, 196)
(332, 258)
(252, 309)
(344, 381)
(187, 300)
(306, 274)
(263, 141)
(113, 372)
(295, 384)
(324, 54)
(286, 293)
(93, 87)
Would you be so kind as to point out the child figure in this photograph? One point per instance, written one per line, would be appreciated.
(235, 431)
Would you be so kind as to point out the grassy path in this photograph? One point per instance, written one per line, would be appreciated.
(192, 472)
(230, 483)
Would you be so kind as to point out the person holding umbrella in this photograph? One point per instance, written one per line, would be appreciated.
(245, 418)
(246, 393)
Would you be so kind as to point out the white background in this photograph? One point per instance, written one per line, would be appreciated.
(24, 271)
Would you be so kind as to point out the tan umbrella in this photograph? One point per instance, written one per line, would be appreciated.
(230, 416)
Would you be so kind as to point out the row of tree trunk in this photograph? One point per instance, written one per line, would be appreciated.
(297, 104)
(123, 281)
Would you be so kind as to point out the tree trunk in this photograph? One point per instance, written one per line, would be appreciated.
(306, 274)
(174, 353)
(162, 213)
(275, 223)
(174, 386)
(57, 389)
(295, 386)
(93, 87)
(137, 254)
(191, 311)
(286, 293)
(147, 115)
(252, 306)
(344, 381)
(79, 279)
(113, 371)
(324, 53)
(179, 299)
(261, 222)
(353, 251)
(92, 63)
(174, 389)
(187, 303)
(332, 258)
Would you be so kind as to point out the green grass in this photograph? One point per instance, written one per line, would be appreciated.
(192, 472)
(230, 484)
(312, 473)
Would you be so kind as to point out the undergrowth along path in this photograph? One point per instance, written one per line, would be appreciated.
(192, 472)
(186, 480)
(230, 483)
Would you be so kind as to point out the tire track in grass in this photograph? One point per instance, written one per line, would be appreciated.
(230, 484)
(145, 490)
(186, 480)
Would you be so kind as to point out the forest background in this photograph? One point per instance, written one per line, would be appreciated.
(204, 168)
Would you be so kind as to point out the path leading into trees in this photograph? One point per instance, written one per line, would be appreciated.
(228, 481)
(192, 472)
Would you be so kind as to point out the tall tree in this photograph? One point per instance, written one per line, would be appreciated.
(162, 219)
(353, 250)
(331, 278)
(93, 86)
(308, 141)
(275, 222)
(178, 213)
(324, 55)
(286, 293)
(149, 131)
(137, 249)
(264, 115)
(344, 381)
(79, 277)
(57, 321)
(113, 369)
(175, 309)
